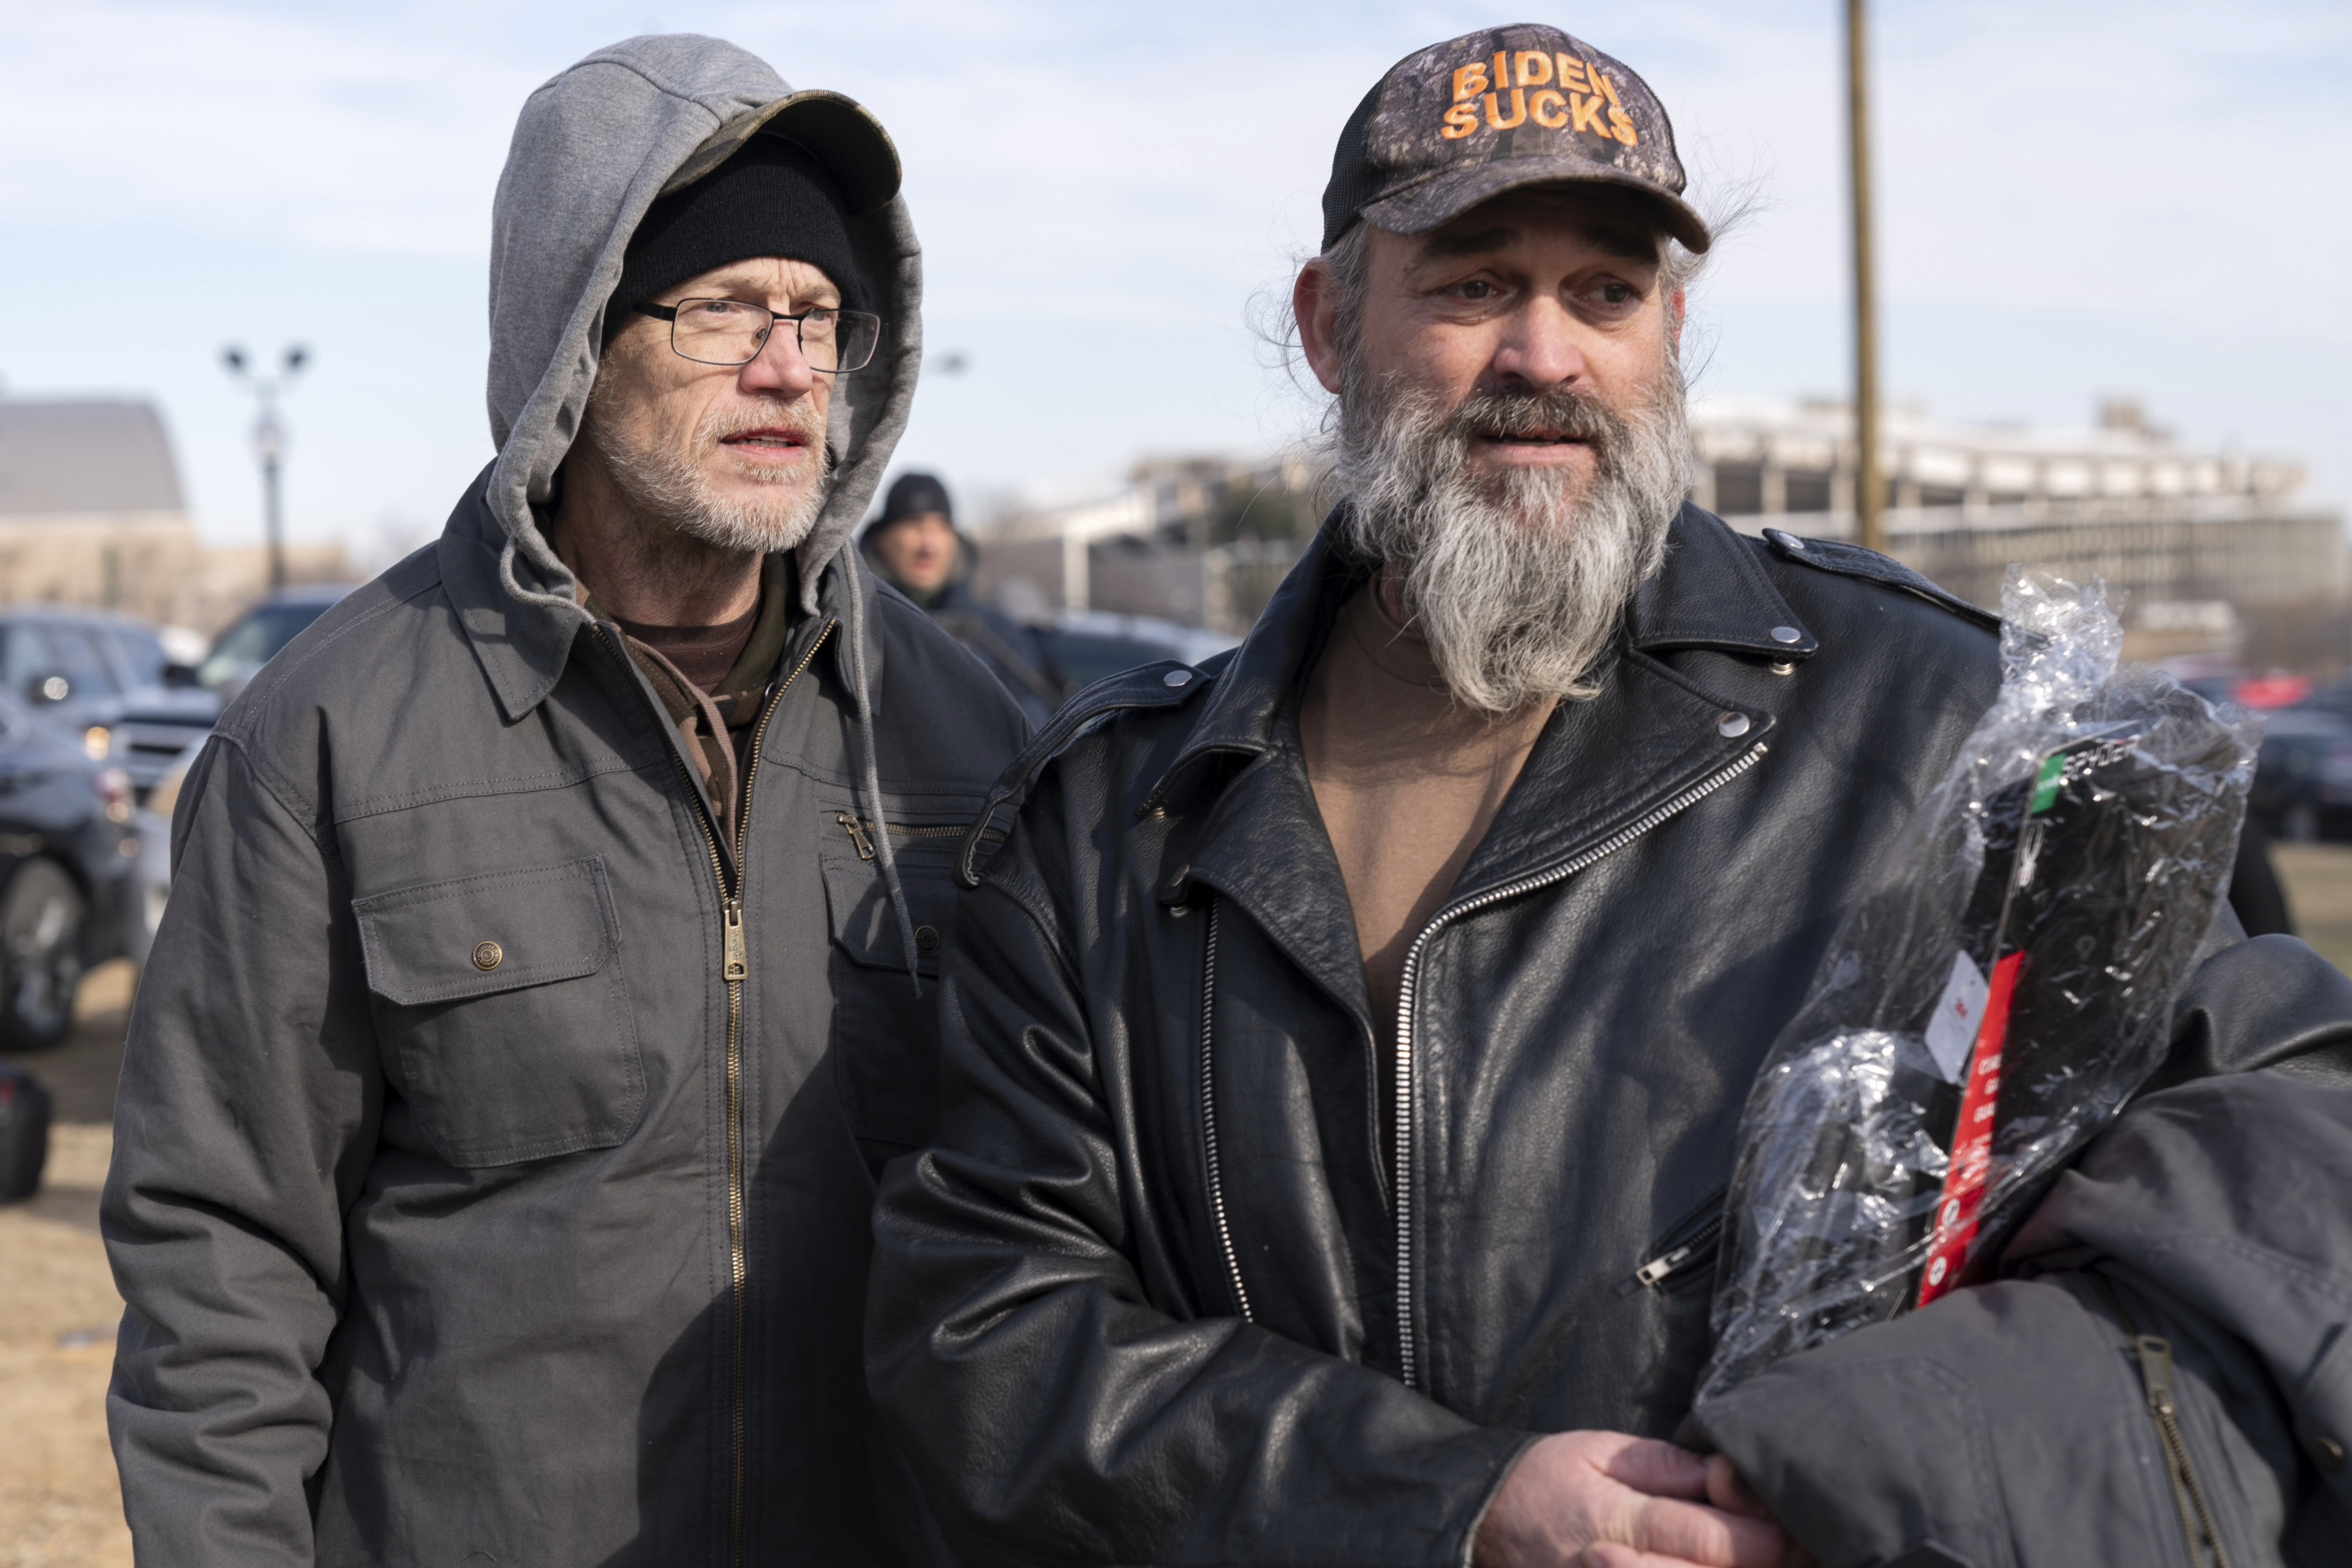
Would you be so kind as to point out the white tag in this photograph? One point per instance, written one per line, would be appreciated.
(1952, 1032)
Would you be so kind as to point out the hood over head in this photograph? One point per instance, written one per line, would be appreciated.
(592, 150)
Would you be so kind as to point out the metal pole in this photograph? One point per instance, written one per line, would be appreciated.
(1869, 486)
(276, 526)
(270, 444)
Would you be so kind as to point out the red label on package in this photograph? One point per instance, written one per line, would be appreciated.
(1971, 1162)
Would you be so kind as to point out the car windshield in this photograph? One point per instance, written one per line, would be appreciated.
(145, 650)
(253, 641)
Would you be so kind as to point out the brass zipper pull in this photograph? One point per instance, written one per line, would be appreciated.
(2155, 1372)
(734, 967)
(857, 835)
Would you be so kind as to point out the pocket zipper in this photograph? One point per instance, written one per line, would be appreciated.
(1683, 1248)
(859, 826)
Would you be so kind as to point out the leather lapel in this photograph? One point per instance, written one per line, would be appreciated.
(1262, 842)
(1602, 766)
(1265, 847)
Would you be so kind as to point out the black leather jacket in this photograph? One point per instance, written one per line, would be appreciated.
(1153, 1297)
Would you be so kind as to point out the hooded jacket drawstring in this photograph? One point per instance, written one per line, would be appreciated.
(873, 766)
(513, 584)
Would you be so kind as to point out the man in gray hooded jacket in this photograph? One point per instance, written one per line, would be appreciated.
(543, 982)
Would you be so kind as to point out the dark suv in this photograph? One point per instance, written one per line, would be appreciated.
(67, 849)
(103, 680)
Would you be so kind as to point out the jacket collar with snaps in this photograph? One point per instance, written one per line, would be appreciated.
(1712, 592)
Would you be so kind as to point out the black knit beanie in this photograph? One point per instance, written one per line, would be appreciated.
(914, 495)
(769, 199)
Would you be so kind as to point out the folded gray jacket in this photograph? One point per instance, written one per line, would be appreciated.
(2010, 1427)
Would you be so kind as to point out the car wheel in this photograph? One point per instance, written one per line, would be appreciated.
(41, 918)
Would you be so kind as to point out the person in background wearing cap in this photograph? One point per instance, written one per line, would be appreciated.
(1345, 1051)
(548, 969)
(916, 547)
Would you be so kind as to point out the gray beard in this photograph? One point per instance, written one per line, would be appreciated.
(669, 488)
(1517, 581)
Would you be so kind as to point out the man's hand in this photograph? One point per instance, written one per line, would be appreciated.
(1602, 1499)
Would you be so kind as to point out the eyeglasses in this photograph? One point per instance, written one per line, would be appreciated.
(730, 331)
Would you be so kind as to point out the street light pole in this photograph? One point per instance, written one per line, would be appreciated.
(1869, 485)
(270, 444)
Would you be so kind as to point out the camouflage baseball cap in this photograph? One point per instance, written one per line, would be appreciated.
(1490, 112)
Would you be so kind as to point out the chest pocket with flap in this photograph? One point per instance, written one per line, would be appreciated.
(502, 995)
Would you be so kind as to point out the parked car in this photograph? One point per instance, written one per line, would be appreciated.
(67, 845)
(1088, 645)
(255, 637)
(104, 680)
(2303, 775)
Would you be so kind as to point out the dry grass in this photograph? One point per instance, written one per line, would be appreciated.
(57, 1313)
(59, 1506)
(2318, 878)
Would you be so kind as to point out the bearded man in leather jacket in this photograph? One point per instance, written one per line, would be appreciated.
(1346, 1045)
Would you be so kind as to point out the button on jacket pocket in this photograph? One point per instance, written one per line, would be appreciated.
(502, 996)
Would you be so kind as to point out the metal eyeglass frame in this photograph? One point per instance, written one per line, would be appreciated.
(669, 313)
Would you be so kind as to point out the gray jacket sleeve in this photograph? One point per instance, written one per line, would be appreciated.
(2009, 1425)
(244, 1125)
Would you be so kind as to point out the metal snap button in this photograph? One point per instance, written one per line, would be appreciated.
(1783, 667)
(927, 939)
(1786, 634)
(489, 955)
(1732, 726)
(2329, 1452)
(1177, 678)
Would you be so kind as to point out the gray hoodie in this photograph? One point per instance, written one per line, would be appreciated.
(496, 1142)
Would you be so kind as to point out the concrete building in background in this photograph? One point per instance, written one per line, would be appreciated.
(2214, 550)
(91, 512)
(1202, 540)
(2215, 553)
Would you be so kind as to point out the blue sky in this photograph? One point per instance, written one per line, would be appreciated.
(2077, 200)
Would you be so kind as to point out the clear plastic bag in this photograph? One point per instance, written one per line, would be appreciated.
(1996, 995)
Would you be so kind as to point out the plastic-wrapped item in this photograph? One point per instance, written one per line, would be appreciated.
(2002, 987)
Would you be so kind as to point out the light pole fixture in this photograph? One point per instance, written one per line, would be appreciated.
(270, 442)
(1869, 484)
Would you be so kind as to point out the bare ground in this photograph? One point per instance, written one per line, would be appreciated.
(59, 1504)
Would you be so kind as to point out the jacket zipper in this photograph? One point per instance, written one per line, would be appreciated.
(1408, 1359)
(734, 968)
(859, 827)
(2200, 1532)
(2154, 1353)
(1675, 1259)
(1689, 1242)
(1209, 1117)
